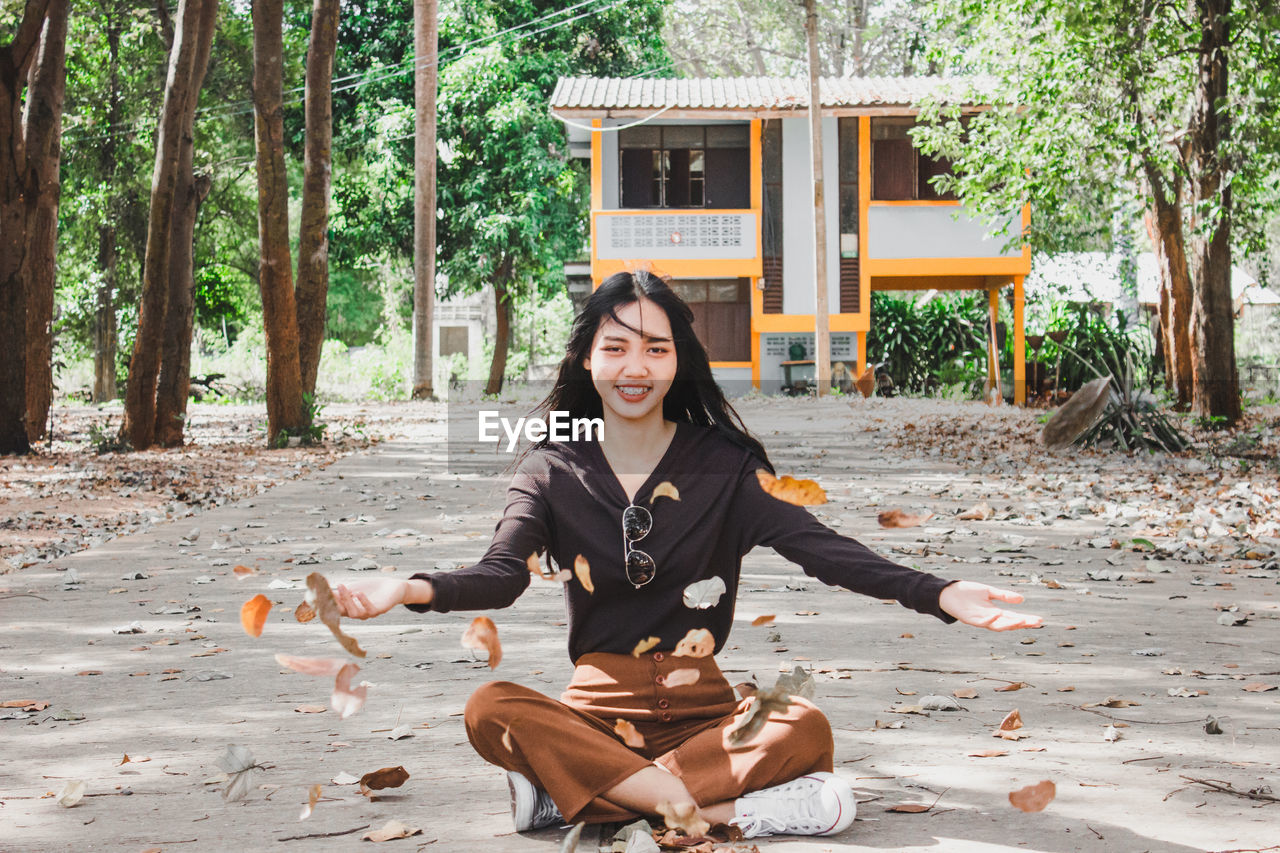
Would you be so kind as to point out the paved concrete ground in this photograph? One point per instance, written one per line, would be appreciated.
(172, 698)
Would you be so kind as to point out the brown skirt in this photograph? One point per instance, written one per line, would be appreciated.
(570, 749)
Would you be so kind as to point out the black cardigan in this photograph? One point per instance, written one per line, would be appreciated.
(566, 497)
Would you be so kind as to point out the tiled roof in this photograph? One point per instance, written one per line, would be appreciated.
(750, 93)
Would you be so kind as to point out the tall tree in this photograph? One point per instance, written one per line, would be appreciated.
(1110, 100)
(139, 427)
(426, 64)
(42, 128)
(190, 190)
(17, 51)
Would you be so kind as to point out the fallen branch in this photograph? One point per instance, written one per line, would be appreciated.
(1227, 788)
(323, 834)
(1199, 720)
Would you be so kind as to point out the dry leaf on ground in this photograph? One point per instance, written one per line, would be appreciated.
(392, 829)
(898, 518)
(72, 792)
(684, 817)
(981, 512)
(483, 634)
(761, 621)
(582, 569)
(1009, 688)
(791, 490)
(698, 643)
(1034, 798)
(1011, 721)
(1258, 688)
(626, 730)
(965, 693)
(909, 808)
(253, 614)
(320, 597)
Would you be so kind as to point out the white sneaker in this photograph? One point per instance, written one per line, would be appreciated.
(531, 807)
(815, 804)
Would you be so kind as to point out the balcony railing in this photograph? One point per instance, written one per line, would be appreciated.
(675, 235)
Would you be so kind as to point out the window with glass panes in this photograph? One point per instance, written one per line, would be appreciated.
(685, 166)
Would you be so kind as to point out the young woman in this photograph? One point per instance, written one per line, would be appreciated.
(634, 361)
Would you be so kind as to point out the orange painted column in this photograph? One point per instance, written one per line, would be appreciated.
(1019, 344)
(864, 213)
(597, 191)
(993, 304)
(757, 206)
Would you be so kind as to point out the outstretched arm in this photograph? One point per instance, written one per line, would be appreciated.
(365, 599)
(972, 604)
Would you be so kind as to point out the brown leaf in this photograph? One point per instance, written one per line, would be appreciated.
(535, 565)
(582, 569)
(1011, 721)
(320, 597)
(908, 709)
(761, 621)
(124, 760)
(698, 643)
(310, 709)
(989, 753)
(1068, 689)
(1009, 735)
(626, 730)
(25, 704)
(243, 572)
(387, 777)
(965, 693)
(253, 615)
(90, 672)
(644, 646)
(664, 490)
(684, 817)
(898, 518)
(346, 699)
(909, 808)
(304, 612)
(312, 796)
(791, 490)
(483, 634)
(682, 677)
(1009, 688)
(1259, 688)
(1033, 798)
(981, 512)
(390, 830)
(1110, 702)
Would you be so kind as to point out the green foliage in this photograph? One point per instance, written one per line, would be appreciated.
(1092, 346)
(933, 344)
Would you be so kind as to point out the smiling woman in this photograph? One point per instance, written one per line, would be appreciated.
(655, 518)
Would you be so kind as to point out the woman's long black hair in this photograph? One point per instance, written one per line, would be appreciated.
(694, 396)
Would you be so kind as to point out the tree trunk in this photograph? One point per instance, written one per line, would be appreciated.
(275, 268)
(425, 48)
(104, 318)
(502, 306)
(144, 366)
(42, 127)
(312, 292)
(189, 191)
(1215, 384)
(15, 60)
(1165, 230)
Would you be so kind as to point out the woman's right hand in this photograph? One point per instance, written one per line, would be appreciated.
(369, 597)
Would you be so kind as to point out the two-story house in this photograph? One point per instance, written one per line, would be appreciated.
(709, 182)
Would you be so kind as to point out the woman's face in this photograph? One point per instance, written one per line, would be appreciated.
(632, 372)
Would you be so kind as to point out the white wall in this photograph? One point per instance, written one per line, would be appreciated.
(932, 231)
(797, 215)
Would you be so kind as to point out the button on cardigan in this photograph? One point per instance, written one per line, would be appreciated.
(566, 498)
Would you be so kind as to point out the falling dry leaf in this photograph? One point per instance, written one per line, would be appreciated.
(898, 518)
(253, 615)
(346, 700)
(682, 677)
(1011, 721)
(1033, 798)
(570, 843)
(684, 817)
(664, 490)
(698, 643)
(506, 739)
(705, 594)
(582, 569)
(981, 512)
(644, 646)
(390, 830)
(72, 792)
(791, 490)
(387, 777)
(763, 703)
(761, 621)
(626, 730)
(304, 612)
(320, 597)
(965, 693)
(909, 808)
(483, 634)
(312, 796)
(238, 762)
(243, 572)
(311, 666)
(1009, 688)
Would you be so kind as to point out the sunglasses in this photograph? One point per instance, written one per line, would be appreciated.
(636, 524)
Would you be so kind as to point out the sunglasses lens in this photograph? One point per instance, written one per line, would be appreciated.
(636, 522)
(640, 567)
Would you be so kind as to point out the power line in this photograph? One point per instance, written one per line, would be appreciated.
(244, 107)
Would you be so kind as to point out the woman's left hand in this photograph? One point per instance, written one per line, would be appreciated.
(971, 603)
